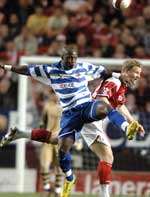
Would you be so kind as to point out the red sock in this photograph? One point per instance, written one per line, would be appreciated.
(40, 135)
(104, 172)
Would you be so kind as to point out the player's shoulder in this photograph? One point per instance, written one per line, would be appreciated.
(88, 66)
(115, 81)
(55, 65)
(84, 64)
(52, 67)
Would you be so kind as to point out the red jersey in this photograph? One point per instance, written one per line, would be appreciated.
(113, 89)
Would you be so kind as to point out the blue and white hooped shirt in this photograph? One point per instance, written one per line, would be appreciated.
(71, 86)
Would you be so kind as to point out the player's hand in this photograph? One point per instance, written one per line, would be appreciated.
(141, 130)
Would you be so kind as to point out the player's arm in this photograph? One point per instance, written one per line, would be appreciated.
(38, 72)
(125, 112)
(105, 100)
(17, 69)
(104, 92)
(99, 72)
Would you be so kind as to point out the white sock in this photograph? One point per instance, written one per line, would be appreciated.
(124, 125)
(104, 190)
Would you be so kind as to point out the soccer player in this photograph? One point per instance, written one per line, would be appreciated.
(68, 78)
(111, 91)
(49, 152)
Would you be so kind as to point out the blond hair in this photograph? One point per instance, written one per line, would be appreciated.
(130, 63)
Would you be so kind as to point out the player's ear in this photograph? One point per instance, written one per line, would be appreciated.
(124, 69)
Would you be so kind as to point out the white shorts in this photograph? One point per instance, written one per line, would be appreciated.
(95, 131)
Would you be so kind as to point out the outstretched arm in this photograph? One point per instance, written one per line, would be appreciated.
(17, 69)
(125, 112)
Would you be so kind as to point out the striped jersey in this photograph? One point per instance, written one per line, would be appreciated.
(71, 86)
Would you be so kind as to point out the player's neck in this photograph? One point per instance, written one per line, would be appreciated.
(65, 66)
(123, 82)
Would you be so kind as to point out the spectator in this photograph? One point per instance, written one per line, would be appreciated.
(139, 52)
(146, 41)
(83, 21)
(146, 14)
(3, 12)
(75, 5)
(71, 30)
(3, 36)
(142, 93)
(53, 49)
(8, 94)
(14, 26)
(82, 43)
(61, 39)
(97, 27)
(106, 48)
(11, 52)
(36, 22)
(26, 43)
(119, 51)
(57, 22)
(130, 46)
(139, 28)
(24, 9)
(96, 52)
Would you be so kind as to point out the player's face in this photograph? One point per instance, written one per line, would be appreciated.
(131, 76)
(69, 60)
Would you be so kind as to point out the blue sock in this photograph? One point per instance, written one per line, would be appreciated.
(65, 164)
(116, 118)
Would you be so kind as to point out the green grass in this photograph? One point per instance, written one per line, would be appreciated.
(41, 195)
(18, 195)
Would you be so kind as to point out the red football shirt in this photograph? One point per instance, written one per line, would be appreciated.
(113, 89)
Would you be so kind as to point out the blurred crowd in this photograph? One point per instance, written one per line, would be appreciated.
(30, 27)
(43, 27)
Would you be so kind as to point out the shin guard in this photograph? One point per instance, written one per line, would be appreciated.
(65, 164)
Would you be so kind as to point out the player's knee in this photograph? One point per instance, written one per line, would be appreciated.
(103, 109)
(109, 158)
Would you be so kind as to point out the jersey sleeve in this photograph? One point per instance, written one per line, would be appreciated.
(107, 89)
(94, 71)
(40, 73)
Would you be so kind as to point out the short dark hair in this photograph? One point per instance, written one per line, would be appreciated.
(130, 63)
(69, 49)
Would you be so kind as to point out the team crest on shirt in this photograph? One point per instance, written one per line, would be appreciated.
(120, 98)
(105, 91)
